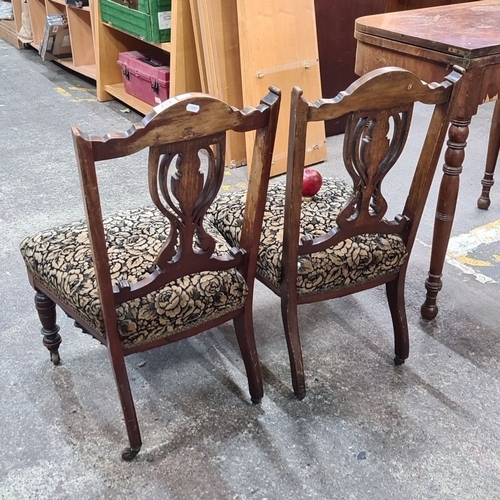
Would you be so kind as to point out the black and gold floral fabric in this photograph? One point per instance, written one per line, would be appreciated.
(61, 260)
(354, 261)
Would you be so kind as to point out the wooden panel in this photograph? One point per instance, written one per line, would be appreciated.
(118, 90)
(278, 47)
(8, 32)
(184, 73)
(219, 60)
(80, 30)
(17, 8)
(200, 56)
(54, 8)
(337, 46)
(38, 15)
(89, 70)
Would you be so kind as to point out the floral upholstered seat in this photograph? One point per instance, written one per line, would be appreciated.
(61, 259)
(354, 261)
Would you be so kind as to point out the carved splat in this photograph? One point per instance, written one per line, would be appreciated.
(373, 142)
(372, 145)
(183, 188)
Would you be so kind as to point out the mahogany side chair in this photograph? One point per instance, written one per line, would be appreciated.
(142, 278)
(340, 242)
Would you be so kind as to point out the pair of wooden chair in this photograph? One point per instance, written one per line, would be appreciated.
(146, 277)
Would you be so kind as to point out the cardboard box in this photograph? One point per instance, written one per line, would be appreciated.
(147, 19)
(144, 77)
(56, 43)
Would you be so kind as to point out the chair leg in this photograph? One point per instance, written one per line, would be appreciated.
(396, 299)
(243, 326)
(128, 408)
(46, 309)
(291, 326)
(491, 159)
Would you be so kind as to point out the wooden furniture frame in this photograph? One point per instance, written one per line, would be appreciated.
(345, 239)
(428, 42)
(175, 134)
(369, 154)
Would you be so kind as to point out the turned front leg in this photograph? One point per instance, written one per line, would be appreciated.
(46, 309)
(445, 212)
(491, 159)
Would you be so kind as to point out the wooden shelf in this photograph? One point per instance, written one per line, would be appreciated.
(63, 2)
(165, 46)
(89, 70)
(118, 90)
(179, 54)
(8, 32)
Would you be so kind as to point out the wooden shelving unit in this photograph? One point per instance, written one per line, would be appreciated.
(80, 21)
(179, 53)
(228, 48)
(10, 27)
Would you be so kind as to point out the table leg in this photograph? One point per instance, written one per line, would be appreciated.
(445, 212)
(491, 159)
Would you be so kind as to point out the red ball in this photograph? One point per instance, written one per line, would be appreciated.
(311, 182)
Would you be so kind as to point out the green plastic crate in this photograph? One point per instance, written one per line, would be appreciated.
(146, 19)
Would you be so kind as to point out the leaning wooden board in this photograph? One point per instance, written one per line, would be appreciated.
(278, 47)
(216, 34)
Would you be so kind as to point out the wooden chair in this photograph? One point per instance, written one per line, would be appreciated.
(340, 242)
(143, 278)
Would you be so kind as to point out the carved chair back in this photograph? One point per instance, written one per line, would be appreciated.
(379, 109)
(181, 132)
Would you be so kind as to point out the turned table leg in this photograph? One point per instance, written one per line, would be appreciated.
(491, 159)
(445, 211)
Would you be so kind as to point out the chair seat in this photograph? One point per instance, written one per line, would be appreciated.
(352, 262)
(60, 259)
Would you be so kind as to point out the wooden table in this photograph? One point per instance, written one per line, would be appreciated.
(429, 42)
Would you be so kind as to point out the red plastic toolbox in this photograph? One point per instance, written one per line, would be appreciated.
(144, 78)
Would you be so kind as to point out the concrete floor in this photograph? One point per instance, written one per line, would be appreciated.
(429, 429)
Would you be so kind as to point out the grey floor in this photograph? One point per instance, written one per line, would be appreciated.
(429, 429)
